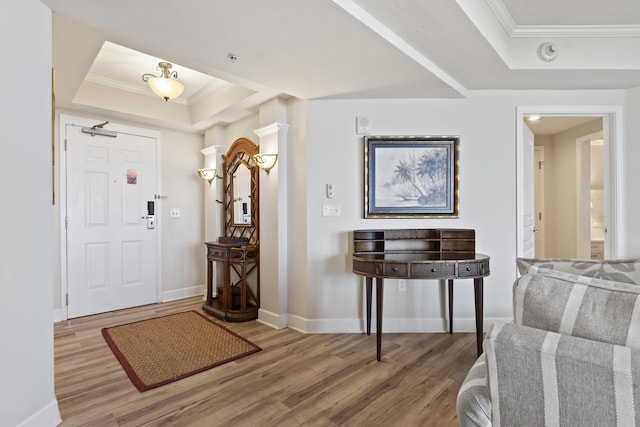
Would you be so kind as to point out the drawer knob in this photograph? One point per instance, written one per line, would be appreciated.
(394, 269)
(468, 268)
(433, 270)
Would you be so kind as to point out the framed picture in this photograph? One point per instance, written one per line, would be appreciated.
(411, 176)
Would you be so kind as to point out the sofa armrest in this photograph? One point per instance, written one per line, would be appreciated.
(539, 378)
(473, 404)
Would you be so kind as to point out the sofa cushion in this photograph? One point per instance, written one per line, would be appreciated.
(581, 306)
(541, 378)
(619, 270)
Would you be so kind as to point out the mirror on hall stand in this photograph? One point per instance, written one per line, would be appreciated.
(234, 294)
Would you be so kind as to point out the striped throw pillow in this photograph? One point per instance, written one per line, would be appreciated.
(580, 306)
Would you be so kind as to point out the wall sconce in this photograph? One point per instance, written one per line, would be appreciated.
(166, 84)
(208, 174)
(265, 161)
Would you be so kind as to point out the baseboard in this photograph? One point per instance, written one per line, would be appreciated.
(276, 321)
(176, 294)
(58, 315)
(390, 325)
(48, 416)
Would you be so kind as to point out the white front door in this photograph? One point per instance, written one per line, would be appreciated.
(111, 251)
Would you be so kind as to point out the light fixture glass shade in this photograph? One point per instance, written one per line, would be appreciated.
(166, 88)
(166, 84)
(265, 161)
(208, 174)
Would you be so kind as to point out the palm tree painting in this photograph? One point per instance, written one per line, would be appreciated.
(411, 177)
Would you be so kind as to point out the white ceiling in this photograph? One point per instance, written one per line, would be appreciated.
(330, 49)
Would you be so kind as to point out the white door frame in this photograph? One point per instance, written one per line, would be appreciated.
(612, 130)
(64, 121)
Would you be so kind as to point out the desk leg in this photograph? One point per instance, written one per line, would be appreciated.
(450, 283)
(369, 281)
(379, 292)
(209, 281)
(478, 291)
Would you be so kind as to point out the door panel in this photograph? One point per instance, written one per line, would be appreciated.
(111, 254)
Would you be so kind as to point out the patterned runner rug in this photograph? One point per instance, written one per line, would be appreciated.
(164, 349)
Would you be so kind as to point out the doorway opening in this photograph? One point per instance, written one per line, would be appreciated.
(567, 181)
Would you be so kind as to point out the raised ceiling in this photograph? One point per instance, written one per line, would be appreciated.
(330, 49)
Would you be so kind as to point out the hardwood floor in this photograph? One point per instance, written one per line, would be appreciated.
(296, 380)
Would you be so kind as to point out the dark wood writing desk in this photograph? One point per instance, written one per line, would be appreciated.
(419, 254)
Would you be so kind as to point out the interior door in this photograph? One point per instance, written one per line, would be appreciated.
(539, 208)
(528, 208)
(111, 244)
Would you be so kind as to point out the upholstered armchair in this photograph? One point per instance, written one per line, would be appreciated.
(571, 357)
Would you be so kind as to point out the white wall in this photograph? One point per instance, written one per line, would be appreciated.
(26, 318)
(333, 153)
(631, 156)
(182, 263)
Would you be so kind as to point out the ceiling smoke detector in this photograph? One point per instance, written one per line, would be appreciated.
(547, 51)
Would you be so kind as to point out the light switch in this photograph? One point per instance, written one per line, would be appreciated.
(329, 191)
(174, 213)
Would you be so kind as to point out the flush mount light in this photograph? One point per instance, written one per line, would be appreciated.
(166, 84)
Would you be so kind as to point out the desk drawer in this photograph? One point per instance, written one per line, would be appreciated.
(437, 269)
(470, 269)
(395, 269)
(365, 267)
(216, 252)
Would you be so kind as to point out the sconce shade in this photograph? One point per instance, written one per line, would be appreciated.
(208, 174)
(166, 84)
(265, 161)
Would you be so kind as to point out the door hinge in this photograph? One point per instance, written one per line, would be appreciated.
(540, 165)
(65, 144)
(66, 222)
(66, 299)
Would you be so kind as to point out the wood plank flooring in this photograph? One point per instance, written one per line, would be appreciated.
(296, 380)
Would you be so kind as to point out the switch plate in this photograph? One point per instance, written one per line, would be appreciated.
(330, 209)
(174, 213)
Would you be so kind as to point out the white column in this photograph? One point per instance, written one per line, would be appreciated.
(273, 224)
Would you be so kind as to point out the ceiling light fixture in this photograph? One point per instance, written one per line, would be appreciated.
(166, 84)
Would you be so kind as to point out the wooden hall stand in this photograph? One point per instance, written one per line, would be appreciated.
(428, 254)
(234, 293)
